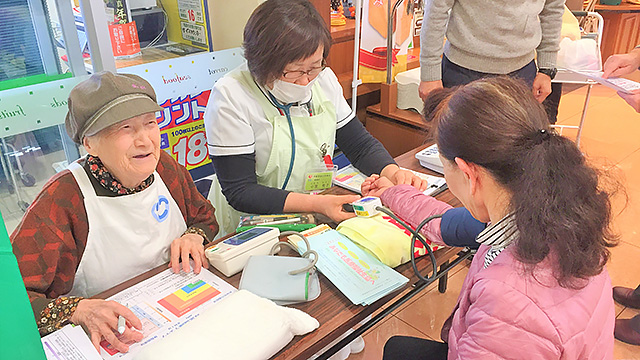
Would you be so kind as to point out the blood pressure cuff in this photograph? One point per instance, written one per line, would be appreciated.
(459, 228)
(384, 238)
(268, 276)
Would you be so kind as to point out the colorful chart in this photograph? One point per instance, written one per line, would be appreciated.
(188, 297)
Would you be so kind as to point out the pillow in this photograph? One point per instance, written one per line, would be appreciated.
(242, 326)
(383, 237)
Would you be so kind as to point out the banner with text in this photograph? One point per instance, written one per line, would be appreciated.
(182, 87)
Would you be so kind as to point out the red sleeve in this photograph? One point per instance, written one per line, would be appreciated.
(50, 239)
(197, 211)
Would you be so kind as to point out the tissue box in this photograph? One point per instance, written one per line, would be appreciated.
(408, 97)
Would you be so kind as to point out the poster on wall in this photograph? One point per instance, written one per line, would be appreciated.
(373, 44)
(122, 30)
(183, 86)
(188, 23)
(191, 10)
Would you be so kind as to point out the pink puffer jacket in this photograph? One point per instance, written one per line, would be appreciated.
(504, 314)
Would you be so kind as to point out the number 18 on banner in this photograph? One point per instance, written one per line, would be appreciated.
(182, 131)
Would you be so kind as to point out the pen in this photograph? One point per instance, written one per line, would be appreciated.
(121, 324)
(439, 190)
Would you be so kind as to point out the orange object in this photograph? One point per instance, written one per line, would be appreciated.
(404, 20)
(124, 40)
(378, 16)
(337, 17)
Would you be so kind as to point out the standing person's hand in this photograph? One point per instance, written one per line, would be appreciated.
(621, 64)
(632, 99)
(400, 176)
(426, 87)
(100, 319)
(541, 87)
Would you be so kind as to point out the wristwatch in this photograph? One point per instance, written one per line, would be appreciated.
(549, 72)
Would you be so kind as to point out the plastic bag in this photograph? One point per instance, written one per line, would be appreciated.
(580, 54)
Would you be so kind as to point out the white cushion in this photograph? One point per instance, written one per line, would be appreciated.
(242, 326)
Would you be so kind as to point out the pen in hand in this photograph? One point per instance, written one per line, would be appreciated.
(121, 324)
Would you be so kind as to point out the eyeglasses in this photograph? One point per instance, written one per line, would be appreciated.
(294, 75)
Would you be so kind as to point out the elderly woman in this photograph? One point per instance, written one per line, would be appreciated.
(274, 120)
(125, 208)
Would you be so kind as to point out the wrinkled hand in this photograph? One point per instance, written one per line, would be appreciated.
(541, 87)
(331, 205)
(100, 319)
(632, 99)
(375, 185)
(426, 87)
(621, 64)
(182, 247)
(407, 177)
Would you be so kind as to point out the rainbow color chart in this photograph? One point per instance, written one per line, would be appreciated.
(188, 297)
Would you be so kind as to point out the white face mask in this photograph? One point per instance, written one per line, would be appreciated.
(288, 93)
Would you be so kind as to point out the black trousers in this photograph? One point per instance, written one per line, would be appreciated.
(455, 75)
(407, 347)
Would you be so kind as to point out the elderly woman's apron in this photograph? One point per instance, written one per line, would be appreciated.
(128, 234)
(311, 134)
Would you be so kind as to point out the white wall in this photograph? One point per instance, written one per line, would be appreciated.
(228, 18)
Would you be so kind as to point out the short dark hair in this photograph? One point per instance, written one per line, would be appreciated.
(280, 32)
(561, 208)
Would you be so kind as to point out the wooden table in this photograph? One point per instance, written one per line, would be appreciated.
(335, 313)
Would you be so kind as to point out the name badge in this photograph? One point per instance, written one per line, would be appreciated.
(319, 179)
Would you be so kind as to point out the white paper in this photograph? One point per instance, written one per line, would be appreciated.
(191, 10)
(618, 84)
(351, 178)
(167, 301)
(69, 343)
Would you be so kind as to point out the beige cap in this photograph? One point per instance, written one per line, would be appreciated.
(106, 99)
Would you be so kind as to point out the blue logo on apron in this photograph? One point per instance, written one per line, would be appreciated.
(160, 210)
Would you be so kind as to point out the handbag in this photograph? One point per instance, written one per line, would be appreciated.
(283, 279)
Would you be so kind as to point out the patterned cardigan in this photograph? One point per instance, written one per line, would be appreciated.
(51, 238)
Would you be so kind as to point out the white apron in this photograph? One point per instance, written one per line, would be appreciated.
(311, 134)
(128, 234)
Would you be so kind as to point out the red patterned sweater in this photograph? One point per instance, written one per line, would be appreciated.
(51, 238)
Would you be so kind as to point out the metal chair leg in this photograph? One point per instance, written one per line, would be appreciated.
(584, 114)
(442, 282)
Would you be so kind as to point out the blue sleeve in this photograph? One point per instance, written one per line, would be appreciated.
(459, 228)
(363, 150)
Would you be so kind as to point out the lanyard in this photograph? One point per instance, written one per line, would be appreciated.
(286, 109)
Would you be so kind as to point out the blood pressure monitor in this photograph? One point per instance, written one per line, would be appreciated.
(366, 207)
(231, 255)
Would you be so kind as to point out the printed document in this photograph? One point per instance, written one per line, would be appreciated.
(69, 343)
(360, 276)
(351, 178)
(618, 84)
(165, 302)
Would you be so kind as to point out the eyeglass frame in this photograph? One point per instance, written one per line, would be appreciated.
(303, 73)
